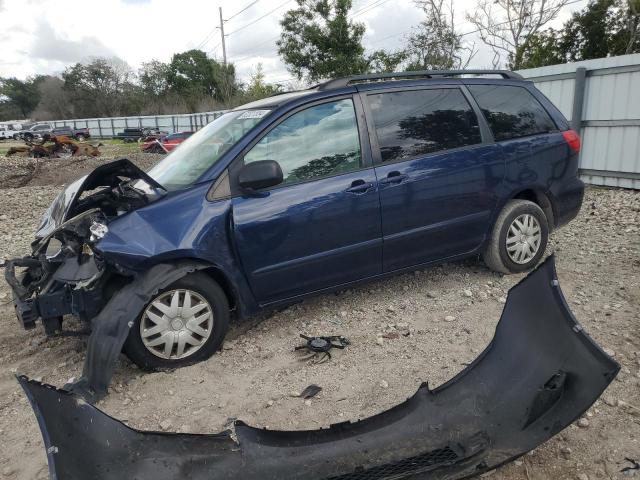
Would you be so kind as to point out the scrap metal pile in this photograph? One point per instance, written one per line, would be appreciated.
(52, 146)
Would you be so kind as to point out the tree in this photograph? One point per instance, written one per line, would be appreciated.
(603, 28)
(102, 87)
(55, 102)
(258, 88)
(194, 76)
(435, 44)
(319, 41)
(382, 61)
(153, 78)
(508, 26)
(21, 96)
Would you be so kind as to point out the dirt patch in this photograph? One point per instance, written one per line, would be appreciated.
(449, 311)
(21, 172)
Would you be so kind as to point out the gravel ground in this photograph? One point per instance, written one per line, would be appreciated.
(423, 326)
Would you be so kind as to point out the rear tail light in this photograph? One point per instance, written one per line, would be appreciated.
(572, 139)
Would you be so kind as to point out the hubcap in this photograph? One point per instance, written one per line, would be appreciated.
(523, 238)
(176, 324)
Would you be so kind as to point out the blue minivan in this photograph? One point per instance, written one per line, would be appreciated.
(299, 194)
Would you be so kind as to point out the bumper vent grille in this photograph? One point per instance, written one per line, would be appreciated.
(403, 468)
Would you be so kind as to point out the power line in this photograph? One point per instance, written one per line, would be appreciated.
(466, 33)
(260, 18)
(368, 8)
(356, 13)
(245, 8)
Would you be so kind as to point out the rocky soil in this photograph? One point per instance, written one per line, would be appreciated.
(423, 326)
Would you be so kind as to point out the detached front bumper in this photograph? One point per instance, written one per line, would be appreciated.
(539, 374)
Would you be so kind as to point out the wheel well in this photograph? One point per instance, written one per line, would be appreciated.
(540, 199)
(224, 283)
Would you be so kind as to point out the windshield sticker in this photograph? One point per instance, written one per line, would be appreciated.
(253, 114)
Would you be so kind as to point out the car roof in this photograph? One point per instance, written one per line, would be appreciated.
(387, 80)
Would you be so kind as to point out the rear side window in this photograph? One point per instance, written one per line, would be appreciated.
(418, 122)
(511, 111)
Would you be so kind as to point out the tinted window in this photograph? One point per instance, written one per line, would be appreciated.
(511, 111)
(418, 122)
(316, 142)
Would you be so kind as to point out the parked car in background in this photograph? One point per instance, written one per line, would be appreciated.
(164, 144)
(36, 131)
(135, 134)
(303, 193)
(6, 132)
(77, 133)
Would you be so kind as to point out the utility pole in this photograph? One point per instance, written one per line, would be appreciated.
(224, 48)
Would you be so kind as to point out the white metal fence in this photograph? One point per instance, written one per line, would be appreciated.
(601, 98)
(109, 127)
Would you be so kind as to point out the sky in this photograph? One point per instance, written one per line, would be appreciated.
(46, 36)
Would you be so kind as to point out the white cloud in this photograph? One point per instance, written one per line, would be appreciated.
(141, 30)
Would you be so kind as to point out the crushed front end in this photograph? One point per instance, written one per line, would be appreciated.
(65, 273)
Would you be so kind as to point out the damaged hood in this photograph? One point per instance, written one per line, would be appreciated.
(108, 175)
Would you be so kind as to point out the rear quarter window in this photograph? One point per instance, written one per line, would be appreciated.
(511, 112)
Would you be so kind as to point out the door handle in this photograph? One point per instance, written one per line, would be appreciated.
(360, 186)
(393, 178)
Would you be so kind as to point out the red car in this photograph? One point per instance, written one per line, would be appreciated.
(164, 144)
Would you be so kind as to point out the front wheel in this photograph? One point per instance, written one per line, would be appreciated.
(183, 324)
(518, 239)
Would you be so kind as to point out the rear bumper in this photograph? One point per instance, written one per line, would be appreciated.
(539, 374)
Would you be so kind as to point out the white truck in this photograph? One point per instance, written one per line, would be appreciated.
(8, 132)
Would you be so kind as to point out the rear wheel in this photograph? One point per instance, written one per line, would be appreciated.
(183, 324)
(518, 239)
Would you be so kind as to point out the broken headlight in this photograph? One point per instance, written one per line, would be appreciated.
(98, 231)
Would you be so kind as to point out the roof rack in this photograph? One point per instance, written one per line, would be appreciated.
(377, 77)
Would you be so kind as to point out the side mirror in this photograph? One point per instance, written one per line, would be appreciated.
(259, 175)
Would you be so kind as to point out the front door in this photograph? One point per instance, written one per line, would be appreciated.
(438, 181)
(321, 227)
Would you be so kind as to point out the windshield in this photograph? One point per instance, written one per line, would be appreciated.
(204, 148)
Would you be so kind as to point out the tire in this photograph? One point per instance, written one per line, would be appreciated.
(202, 290)
(520, 254)
(80, 138)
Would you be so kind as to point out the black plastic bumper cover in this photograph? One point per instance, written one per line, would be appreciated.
(539, 374)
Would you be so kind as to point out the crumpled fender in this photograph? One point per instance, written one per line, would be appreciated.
(538, 375)
(111, 326)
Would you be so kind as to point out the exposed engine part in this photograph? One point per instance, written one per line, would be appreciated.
(539, 374)
(318, 348)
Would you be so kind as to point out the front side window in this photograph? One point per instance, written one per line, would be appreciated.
(319, 141)
(511, 112)
(419, 122)
(203, 149)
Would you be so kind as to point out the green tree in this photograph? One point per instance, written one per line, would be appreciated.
(154, 78)
(603, 28)
(21, 96)
(319, 41)
(102, 87)
(194, 76)
(258, 87)
(382, 61)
